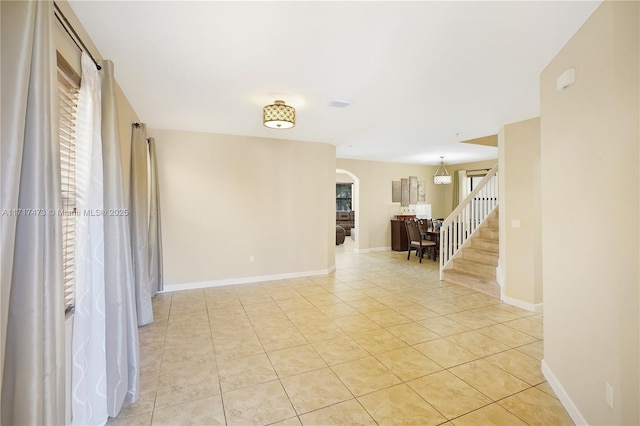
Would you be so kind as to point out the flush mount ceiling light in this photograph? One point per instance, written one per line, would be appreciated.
(279, 116)
(442, 176)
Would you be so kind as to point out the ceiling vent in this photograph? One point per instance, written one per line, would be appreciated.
(339, 103)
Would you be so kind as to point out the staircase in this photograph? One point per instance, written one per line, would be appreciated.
(475, 265)
(469, 239)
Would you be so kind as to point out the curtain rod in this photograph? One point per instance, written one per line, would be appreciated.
(67, 26)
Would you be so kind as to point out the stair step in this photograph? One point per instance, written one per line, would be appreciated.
(475, 268)
(477, 255)
(489, 233)
(484, 244)
(474, 282)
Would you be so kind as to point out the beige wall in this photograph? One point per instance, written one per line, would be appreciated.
(126, 117)
(590, 222)
(343, 178)
(520, 214)
(225, 198)
(375, 206)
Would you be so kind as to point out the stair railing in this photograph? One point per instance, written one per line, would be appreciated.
(460, 225)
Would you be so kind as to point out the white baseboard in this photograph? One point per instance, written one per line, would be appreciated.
(566, 401)
(380, 249)
(245, 280)
(532, 307)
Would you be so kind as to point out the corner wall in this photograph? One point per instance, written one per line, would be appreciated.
(590, 234)
(242, 209)
(520, 214)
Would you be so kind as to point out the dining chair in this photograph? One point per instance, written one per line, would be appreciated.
(423, 225)
(427, 232)
(416, 242)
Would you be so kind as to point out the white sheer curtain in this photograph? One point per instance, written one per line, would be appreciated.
(89, 383)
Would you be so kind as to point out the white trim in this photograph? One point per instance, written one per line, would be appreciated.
(245, 280)
(370, 250)
(380, 249)
(566, 401)
(500, 277)
(532, 307)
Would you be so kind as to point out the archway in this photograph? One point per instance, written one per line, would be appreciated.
(355, 204)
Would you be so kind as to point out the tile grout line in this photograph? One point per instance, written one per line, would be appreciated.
(367, 314)
(213, 345)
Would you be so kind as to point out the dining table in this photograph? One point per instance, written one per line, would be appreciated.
(432, 234)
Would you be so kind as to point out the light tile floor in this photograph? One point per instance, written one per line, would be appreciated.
(379, 341)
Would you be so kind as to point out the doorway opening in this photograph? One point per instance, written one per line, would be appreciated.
(348, 209)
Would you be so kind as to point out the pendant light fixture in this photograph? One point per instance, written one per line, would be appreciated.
(442, 176)
(279, 116)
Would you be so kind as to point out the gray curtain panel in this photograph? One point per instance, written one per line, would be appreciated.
(155, 232)
(122, 348)
(32, 293)
(139, 219)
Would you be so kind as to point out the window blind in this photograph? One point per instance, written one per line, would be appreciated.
(67, 105)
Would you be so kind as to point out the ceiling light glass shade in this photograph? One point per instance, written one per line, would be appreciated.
(442, 176)
(279, 116)
(442, 180)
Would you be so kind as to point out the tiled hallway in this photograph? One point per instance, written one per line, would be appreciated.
(380, 341)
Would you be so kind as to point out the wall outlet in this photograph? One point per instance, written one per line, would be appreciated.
(609, 394)
(252, 258)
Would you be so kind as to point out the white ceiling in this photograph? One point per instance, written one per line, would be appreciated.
(421, 75)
